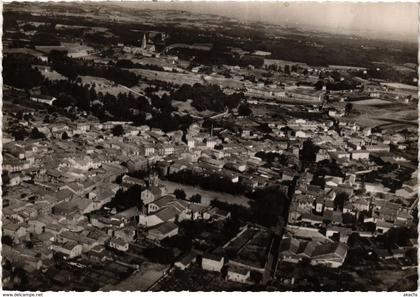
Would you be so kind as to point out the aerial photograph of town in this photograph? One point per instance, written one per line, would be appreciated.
(174, 146)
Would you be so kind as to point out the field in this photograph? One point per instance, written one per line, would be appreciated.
(186, 78)
(371, 102)
(53, 75)
(184, 106)
(374, 114)
(106, 86)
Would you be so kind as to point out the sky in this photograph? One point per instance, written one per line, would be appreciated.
(385, 20)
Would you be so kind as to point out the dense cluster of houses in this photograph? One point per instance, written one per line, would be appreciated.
(54, 184)
(346, 202)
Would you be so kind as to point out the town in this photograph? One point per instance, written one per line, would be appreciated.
(133, 162)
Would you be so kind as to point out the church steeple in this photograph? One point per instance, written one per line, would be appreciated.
(144, 42)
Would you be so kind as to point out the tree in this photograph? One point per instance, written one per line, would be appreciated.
(159, 255)
(6, 239)
(196, 198)
(287, 69)
(349, 108)
(180, 194)
(308, 152)
(118, 130)
(268, 205)
(20, 277)
(19, 134)
(182, 243)
(256, 276)
(340, 199)
(35, 134)
(244, 110)
(319, 85)
(29, 245)
(64, 136)
(127, 199)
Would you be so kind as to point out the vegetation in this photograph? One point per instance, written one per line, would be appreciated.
(118, 130)
(207, 97)
(18, 71)
(127, 199)
(179, 194)
(265, 209)
(213, 182)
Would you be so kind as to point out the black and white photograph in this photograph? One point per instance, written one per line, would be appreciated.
(210, 146)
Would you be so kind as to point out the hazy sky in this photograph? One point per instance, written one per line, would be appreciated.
(386, 20)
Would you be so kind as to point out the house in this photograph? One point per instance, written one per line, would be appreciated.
(383, 227)
(43, 99)
(100, 254)
(147, 149)
(376, 188)
(194, 212)
(312, 219)
(219, 214)
(176, 167)
(322, 155)
(65, 209)
(329, 205)
(190, 142)
(319, 204)
(406, 192)
(167, 214)
(85, 205)
(236, 166)
(166, 149)
(84, 127)
(162, 231)
(348, 208)
(404, 216)
(383, 253)
(160, 203)
(212, 162)
(343, 233)
(129, 215)
(238, 274)
(15, 179)
(360, 155)
(186, 260)
(36, 227)
(378, 148)
(119, 243)
(131, 181)
(15, 231)
(21, 257)
(70, 249)
(68, 236)
(212, 262)
(330, 254)
(166, 209)
(127, 233)
(361, 204)
(288, 174)
(342, 155)
(300, 134)
(211, 142)
(151, 194)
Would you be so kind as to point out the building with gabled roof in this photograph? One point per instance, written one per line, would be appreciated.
(161, 231)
